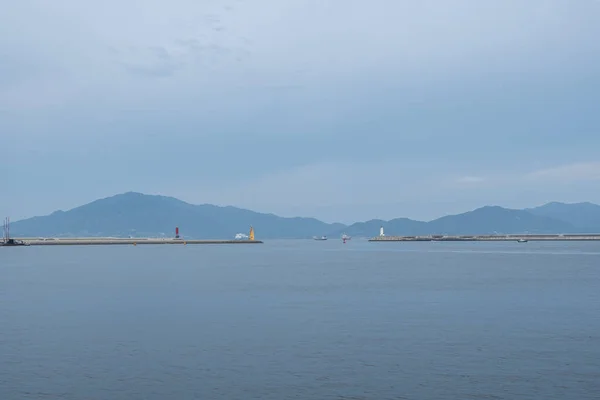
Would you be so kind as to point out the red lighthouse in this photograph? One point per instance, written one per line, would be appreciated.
(176, 232)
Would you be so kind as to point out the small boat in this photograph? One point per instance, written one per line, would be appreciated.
(320, 238)
(522, 241)
(346, 237)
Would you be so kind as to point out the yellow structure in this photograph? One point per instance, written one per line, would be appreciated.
(251, 235)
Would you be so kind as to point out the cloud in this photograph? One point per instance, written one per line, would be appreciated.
(582, 171)
(470, 179)
(151, 61)
(160, 61)
(307, 39)
(299, 104)
(199, 48)
(557, 175)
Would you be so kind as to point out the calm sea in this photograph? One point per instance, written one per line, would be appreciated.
(301, 320)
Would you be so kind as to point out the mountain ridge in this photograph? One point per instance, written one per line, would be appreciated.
(138, 214)
(483, 220)
(582, 214)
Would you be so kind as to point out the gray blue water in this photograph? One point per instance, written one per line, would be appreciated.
(301, 320)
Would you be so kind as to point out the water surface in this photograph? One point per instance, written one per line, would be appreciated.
(301, 320)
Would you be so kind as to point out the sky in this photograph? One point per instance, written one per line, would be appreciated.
(344, 110)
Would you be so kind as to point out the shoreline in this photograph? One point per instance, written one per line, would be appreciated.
(129, 241)
(487, 238)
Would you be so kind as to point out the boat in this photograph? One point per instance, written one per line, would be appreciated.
(346, 237)
(522, 241)
(320, 238)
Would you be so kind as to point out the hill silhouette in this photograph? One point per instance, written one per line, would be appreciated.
(585, 216)
(141, 215)
(485, 220)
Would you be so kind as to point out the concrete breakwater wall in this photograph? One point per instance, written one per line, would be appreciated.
(487, 238)
(129, 241)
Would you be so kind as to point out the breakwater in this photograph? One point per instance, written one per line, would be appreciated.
(486, 238)
(128, 241)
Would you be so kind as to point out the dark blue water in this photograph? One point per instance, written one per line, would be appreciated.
(301, 320)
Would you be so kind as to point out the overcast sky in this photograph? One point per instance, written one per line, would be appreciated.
(342, 109)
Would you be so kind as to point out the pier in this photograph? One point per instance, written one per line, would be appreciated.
(98, 241)
(128, 241)
(486, 238)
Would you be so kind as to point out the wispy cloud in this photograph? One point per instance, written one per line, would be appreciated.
(161, 61)
(561, 174)
(150, 61)
(583, 171)
(470, 179)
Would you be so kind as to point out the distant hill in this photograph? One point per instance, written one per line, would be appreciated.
(143, 215)
(585, 216)
(398, 226)
(494, 219)
(485, 220)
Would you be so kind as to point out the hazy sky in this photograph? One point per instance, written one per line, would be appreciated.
(341, 109)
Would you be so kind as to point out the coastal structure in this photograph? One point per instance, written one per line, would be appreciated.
(133, 241)
(524, 238)
(7, 241)
(130, 241)
(5, 230)
(381, 234)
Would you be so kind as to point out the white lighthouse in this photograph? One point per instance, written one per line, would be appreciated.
(381, 231)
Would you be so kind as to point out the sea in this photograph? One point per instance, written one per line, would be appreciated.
(301, 319)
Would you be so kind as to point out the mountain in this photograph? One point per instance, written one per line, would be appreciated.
(494, 219)
(585, 216)
(398, 226)
(143, 215)
(146, 215)
(485, 220)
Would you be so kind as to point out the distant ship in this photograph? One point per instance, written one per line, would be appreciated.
(320, 238)
(522, 241)
(346, 237)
